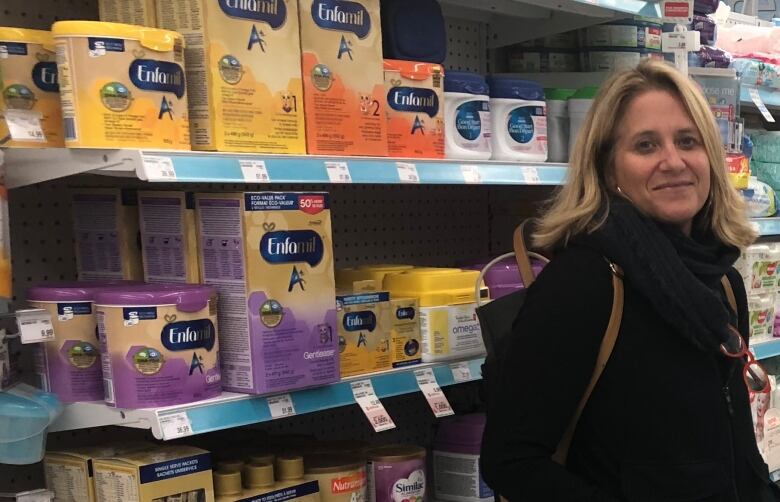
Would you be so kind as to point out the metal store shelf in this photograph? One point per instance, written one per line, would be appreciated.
(766, 349)
(236, 410)
(28, 166)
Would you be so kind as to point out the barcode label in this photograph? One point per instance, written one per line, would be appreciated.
(69, 126)
(108, 390)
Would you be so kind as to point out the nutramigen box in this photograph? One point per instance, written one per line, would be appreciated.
(270, 256)
(243, 73)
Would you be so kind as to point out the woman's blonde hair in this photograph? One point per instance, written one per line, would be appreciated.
(582, 204)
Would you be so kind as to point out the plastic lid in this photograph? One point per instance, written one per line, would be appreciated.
(258, 475)
(227, 482)
(22, 35)
(413, 70)
(588, 92)
(261, 458)
(26, 412)
(553, 94)
(502, 87)
(346, 277)
(289, 467)
(151, 38)
(434, 287)
(396, 452)
(186, 297)
(232, 464)
(329, 463)
(466, 82)
(82, 291)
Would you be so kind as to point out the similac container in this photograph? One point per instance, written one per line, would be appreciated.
(415, 109)
(467, 116)
(519, 120)
(29, 83)
(579, 104)
(158, 344)
(122, 86)
(69, 365)
(448, 323)
(342, 478)
(558, 124)
(456, 472)
(396, 473)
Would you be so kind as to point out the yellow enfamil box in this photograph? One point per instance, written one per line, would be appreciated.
(29, 85)
(270, 257)
(122, 86)
(163, 473)
(364, 334)
(243, 72)
(138, 12)
(105, 226)
(344, 90)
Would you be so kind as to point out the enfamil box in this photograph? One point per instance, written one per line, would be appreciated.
(344, 92)
(138, 12)
(243, 73)
(364, 334)
(270, 256)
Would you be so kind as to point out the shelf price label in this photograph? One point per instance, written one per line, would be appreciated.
(338, 172)
(24, 125)
(281, 406)
(461, 372)
(254, 171)
(159, 168)
(175, 425)
(426, 380)
(531, 175)
(756, 98)
(471, 174)
(372, 407)
(34, 325)
(407, 172)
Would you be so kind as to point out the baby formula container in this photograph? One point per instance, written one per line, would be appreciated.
(558, 124)
(122, 86)
(523, 60)
(504, 278)
(258, 476)
(158, 344)
(346, 277)
(342, 478)
(227, 486)
(616, 59)
(396, 470)
(467, 116)
(579, 104)
(635, 33)
(29, 84)
(456, 472)
(448, 325)
(69, 365)
(519, 120)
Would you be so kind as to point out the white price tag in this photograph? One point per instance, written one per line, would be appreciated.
(461, 372)
(426, 380)
(471, 174)
(407, 173)
(372, 407)
(756, 98)
(40, 495)
(531, 175)
(281, 406)
(159, 168)
(24, 125)
(175, 425)
(34, 325)
(254, 171)
(338, 172)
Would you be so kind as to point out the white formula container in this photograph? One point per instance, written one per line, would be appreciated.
(519, 120)
(558, 124)
(467, 116)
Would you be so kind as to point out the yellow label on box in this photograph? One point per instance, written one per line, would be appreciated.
(364, 337)
(243, 73)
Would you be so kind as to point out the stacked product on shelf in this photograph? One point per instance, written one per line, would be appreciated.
(467, 120)
(759, 268)
(457, 475)
(266, 481)
(30, 86)
(519, 118)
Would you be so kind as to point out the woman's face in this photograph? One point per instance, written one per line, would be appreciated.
(660, 161)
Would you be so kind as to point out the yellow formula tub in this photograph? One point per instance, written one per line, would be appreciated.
(29, 85)
(448, 321)
(122, 86)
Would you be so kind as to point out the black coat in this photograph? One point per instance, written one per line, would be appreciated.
(659, 425)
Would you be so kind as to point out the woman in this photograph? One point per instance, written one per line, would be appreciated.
(669, 419)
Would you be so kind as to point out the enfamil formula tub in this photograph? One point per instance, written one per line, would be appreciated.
(29, 83)
(122, 86)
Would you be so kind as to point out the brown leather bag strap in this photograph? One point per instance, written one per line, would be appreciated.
(729, 293)
(605, 351)
(521, 256)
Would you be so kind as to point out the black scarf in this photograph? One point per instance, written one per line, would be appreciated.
(678, 274)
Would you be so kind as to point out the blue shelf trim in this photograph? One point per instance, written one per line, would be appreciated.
(226, 168)
(638, 7)
(765, 350)
(767, 226)
(244, 411)
(771, 99)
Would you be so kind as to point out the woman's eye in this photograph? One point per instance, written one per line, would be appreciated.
(688, 142)
(645, 146)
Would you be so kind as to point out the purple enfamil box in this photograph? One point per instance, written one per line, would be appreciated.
(270, 256)
(159, 344)
(503, 277)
